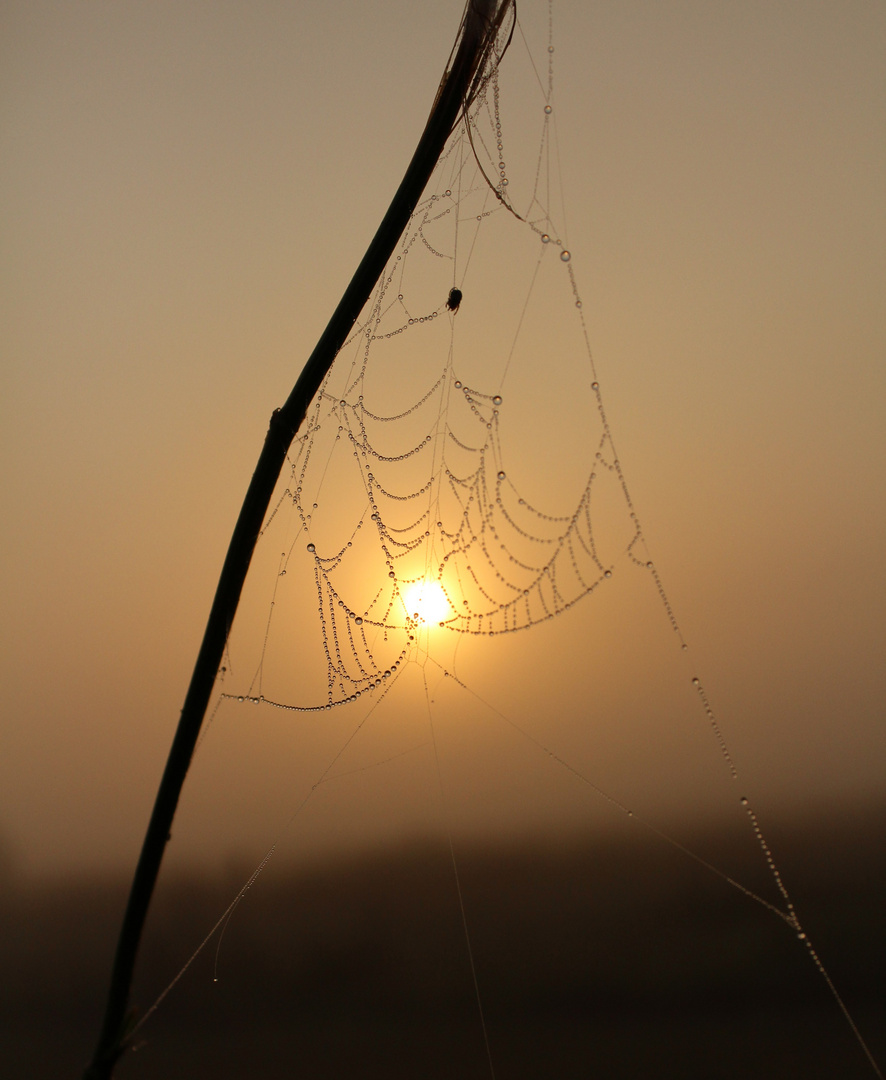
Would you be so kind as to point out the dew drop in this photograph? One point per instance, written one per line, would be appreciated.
(358, 621)
(565, 256)
(548, 110)
(595, 386)
(391, 574)
(501, 474)
(312, 547)
(607, 573)
(496, 400)
(545, 239)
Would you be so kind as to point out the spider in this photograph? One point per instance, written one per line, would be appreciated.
(454, 300)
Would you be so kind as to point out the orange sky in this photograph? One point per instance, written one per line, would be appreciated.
(188, 189)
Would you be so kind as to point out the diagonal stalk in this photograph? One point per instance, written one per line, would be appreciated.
(462, 80)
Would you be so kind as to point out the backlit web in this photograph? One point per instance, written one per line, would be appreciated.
(412, 498)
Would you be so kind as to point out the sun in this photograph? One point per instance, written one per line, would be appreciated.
(426, 602)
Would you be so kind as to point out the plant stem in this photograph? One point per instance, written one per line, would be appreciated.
(461, 82)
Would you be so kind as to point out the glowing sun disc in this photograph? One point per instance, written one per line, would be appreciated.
(426, 601)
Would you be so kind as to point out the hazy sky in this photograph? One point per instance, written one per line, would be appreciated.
(187, 189)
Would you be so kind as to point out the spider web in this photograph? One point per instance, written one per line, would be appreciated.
(416, 474)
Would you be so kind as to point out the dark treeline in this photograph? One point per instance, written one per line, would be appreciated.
(593, 958)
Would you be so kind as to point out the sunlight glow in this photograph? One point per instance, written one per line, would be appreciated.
(426, 601)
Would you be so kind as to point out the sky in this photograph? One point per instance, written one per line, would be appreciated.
(187, 190)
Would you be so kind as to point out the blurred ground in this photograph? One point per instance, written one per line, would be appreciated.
(594, 958)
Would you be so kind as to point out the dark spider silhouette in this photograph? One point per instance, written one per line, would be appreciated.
(454, 300)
